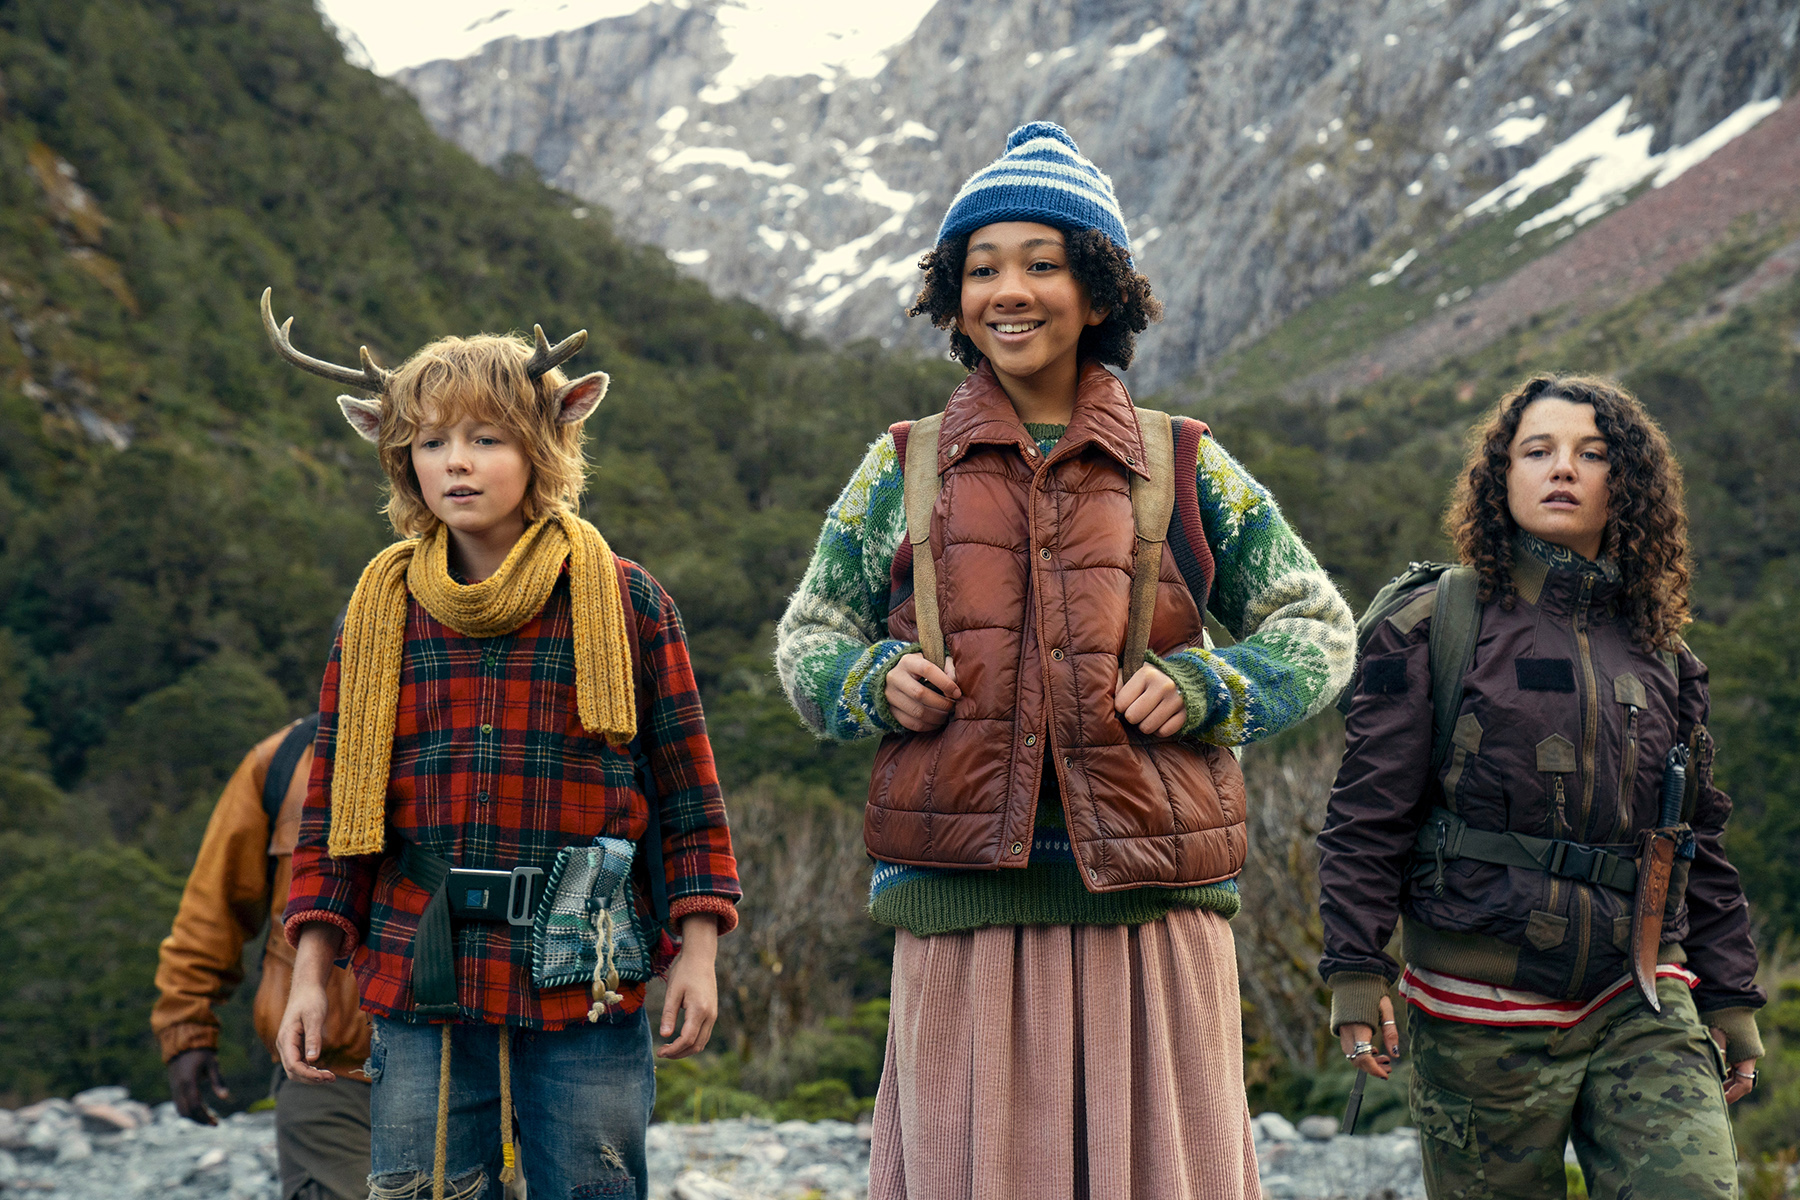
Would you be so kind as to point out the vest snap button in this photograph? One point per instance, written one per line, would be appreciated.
(1031, 451)
(1031, 739)
(953, 448)
(1018, 847)
(1044, 553)
(1056, 654)
(1093, 875)
(1131, 462)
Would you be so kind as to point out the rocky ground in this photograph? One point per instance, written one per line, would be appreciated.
(102, 1145)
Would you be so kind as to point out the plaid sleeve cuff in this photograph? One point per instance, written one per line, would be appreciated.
(296, 922)
(1356, 999)
(189, 1035)
(720, 906)
(1742, 1041)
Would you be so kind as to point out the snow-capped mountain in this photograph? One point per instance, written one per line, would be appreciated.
(1264, 153)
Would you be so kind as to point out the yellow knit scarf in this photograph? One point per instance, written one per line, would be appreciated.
(375, 637)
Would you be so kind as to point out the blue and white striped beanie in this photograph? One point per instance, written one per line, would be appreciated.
(1042, 177)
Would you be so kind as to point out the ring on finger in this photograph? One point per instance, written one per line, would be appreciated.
(1360, 1048)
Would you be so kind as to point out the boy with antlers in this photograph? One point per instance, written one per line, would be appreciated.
(499, 680)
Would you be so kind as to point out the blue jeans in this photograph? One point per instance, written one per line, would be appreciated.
(583, 1096)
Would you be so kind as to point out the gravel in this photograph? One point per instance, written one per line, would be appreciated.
(103, 1145)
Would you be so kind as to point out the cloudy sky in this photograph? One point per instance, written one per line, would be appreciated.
(768, 37)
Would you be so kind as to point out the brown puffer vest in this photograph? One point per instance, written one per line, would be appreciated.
(1034, 562)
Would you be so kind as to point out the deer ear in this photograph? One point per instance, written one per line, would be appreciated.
(577, 399)
(364, 416)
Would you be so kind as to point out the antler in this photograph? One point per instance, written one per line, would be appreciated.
(372, 377)
(547, 356)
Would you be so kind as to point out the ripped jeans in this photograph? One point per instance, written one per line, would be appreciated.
(583, 1097)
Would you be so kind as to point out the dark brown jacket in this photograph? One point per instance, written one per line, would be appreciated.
(1034, 561)
(239, 881)
(1565, 723)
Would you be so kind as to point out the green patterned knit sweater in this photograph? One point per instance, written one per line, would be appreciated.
(1294, 648)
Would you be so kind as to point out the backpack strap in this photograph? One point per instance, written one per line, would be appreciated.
(1152, 504)
(1455, 624)
(922, 484)
(300, 735)
(650, 849)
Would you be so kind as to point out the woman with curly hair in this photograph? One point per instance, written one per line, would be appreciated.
(1554, 991)
(1055, 812)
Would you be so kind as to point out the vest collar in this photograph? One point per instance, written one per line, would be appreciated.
(980, 414)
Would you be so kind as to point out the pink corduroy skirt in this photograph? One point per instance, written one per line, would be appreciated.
(1057, 1062)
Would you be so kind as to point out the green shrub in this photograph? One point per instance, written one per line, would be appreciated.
(79, 927)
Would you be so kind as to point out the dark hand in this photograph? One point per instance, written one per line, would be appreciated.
(188, 1071)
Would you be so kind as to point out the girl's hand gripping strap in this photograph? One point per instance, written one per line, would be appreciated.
(922, 483)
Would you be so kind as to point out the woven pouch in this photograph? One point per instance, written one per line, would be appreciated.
(585, 882)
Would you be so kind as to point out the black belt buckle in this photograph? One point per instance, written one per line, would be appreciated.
(509, 896)
(1572, 860)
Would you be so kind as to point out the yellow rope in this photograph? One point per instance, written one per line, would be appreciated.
(375, 637)
(508, 1168)
(442, 1151)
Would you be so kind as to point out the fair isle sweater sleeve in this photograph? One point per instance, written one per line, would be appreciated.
(1295, 636)
(832, 651)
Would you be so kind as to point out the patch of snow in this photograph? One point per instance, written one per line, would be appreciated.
(1316, 172)
(1118, 56)
(1677, 159)
(1363, 145)
(674, 119)
(903, 270)
(1612, 160)
(724, 156)
(844, 259)
(689, 258)
(1067, 52)
(1564, 88)
(1395, 269)
(1033, 59)
(1415, 187)
(1517, 130)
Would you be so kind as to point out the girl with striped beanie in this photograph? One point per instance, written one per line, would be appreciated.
(1009, 594)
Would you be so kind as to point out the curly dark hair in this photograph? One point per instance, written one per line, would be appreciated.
(1098, 266)
(1646, 523)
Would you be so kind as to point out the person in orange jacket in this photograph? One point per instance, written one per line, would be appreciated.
(240, 879)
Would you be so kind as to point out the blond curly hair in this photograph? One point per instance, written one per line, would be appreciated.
(481, 377)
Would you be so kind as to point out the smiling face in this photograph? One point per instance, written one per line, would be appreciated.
(1556, 485)
(473, 475)
(1021, 306)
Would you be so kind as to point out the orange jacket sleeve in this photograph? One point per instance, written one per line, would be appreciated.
(224, 904)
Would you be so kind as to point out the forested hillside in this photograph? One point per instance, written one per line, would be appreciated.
(182, 514)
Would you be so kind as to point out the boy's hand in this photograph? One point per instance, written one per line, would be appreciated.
(190, 1072)
(920, 695)
(300, 1038)
(1151, 701)
(692, 986)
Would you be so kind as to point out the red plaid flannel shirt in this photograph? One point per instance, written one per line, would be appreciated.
(492, 769)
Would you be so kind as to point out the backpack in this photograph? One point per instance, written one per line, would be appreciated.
(1455, 624)
(300, 735)
(1152, 505)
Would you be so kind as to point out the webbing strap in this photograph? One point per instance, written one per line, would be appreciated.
(1152, 504)
(1455, 624)
(434, 948)
(922, 485)
(1445, 836)
(281, 767)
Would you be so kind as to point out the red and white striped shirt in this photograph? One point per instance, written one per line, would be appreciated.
(1455, 999)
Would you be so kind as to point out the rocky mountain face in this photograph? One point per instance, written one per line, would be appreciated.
(1264, 152)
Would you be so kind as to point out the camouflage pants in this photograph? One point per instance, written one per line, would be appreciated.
(1639, 1093)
